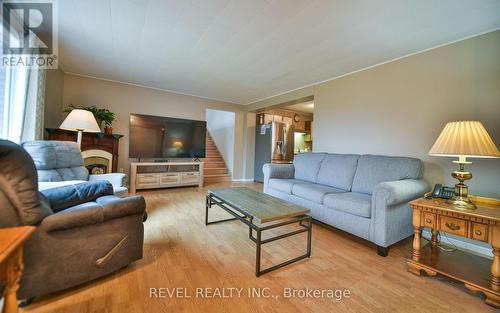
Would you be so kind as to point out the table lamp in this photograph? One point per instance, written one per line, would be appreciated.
(80, 121)
(464, 139)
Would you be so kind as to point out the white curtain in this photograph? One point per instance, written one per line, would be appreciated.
(23, 92)
(23, 104)
(35, 96)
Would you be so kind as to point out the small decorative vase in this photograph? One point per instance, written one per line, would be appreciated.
(108, 130)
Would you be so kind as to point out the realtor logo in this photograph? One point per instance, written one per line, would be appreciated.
(29, 33)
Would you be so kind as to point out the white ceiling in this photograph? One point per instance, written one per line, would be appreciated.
(245, 50)
(305, 107)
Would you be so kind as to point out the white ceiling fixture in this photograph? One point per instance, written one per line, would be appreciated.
(242, 51)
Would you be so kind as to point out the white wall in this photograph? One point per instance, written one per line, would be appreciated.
(54, 90)
(400, 108)
(220, 125)
(249, 147)
(124, 99)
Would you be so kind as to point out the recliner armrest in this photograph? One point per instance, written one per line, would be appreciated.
(400, 191)
(89, 213)
(93, 213)
(116, 179)
(115, 207)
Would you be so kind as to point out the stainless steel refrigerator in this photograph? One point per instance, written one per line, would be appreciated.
(273, 144)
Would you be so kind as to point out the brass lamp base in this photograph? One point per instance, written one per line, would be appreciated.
(461, 200)
(461, 203)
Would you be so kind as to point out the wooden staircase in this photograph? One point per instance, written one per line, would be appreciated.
(215, 170)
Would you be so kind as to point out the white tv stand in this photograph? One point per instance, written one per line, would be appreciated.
(150, 175)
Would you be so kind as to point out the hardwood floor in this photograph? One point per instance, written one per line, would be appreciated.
(180, 251)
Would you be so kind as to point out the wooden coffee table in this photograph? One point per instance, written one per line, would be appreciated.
(261, 212)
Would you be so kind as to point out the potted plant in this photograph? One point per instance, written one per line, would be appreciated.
(107, 117)
(101, 115)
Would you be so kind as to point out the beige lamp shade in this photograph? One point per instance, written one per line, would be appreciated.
(465, 138)
(80, 120)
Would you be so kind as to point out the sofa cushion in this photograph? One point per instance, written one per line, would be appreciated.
(374, 169)
(350, 202)
(117, 191)
(283, 185)
(49, 185)
(307, 166)
(337, 170)
(62, 174)
(50, 154)
(57, 160)
(313, 192)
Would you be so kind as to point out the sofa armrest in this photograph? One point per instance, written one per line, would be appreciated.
(400, 191)
(273, 170)
(116, 179)
(93, 213)
(391, 219)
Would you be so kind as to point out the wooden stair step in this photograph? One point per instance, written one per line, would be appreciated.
(213, 159)
(219, 164)
(214, 164)
(215, 170)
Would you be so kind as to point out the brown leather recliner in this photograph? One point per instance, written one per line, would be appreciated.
(83, 231)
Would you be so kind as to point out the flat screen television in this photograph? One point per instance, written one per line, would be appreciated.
(166, 137)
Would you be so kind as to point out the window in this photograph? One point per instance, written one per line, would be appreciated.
(21, 106)
(21, 102)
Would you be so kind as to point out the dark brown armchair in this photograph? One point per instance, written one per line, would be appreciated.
(83, 231)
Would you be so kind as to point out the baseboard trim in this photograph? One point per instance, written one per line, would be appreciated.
(243, 180)
(462, 245)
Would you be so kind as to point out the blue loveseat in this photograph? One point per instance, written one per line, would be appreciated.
(365, 195)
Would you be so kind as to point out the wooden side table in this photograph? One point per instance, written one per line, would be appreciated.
(11, 262)
(478, 274)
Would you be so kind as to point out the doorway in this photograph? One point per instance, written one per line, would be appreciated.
(219, 160)
(283, 131)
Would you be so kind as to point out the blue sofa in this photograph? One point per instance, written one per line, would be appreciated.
(365, 195)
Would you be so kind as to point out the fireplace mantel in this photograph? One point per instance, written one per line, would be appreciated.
(90, 141)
